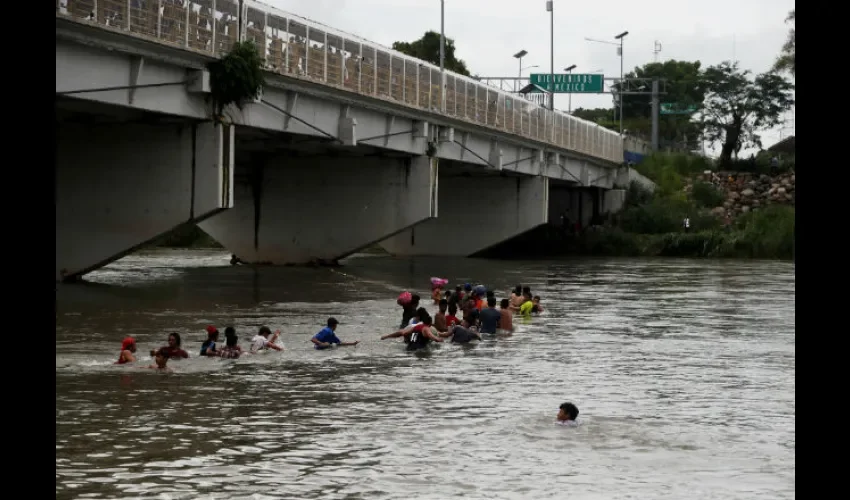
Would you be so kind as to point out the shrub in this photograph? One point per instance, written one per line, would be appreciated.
(706, 195)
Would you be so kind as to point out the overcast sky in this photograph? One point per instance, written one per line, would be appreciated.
(488, 32)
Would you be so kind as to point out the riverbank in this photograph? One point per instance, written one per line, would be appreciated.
(730, 214)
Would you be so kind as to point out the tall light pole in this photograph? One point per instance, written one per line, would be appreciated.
(620, 37)
(569, 70)
(519, 55)
(443, 55)
(550, 7)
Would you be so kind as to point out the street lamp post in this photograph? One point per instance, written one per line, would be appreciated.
(519, 55)
(443, 55)
(569, 70)
(550, 7)
(619, 53)
(620, 37)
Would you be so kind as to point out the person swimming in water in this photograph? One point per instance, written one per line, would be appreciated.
(408, 329)
(327, 336)
(567, 414)
(128, 347)
(261, 341)
(462, 333)
(208, 347)
(421, 336)
(161, 359)
(172, 350)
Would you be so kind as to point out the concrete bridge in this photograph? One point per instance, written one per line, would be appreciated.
(350, 144)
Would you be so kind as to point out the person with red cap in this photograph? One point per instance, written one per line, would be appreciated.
(208, 347)
(128, 347)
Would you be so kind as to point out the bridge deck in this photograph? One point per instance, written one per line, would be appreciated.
(304, 49)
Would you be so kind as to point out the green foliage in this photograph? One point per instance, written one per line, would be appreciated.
(684, 86)
(637, 195)
(596, 115)
(427, 49)
(666, 170)
(768, 231)
(787, 60)
(706, 195)
(236, 77)
(736, 107)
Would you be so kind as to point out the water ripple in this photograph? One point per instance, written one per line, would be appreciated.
(683, 371)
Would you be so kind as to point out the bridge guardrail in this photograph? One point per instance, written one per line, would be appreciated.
(295, 46)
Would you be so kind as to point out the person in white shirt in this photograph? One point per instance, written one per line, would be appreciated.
(567, 415)
(262, 341)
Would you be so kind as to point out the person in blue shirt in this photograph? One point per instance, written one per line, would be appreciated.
(327, 338)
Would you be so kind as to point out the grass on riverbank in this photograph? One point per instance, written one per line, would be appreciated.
(765, 234)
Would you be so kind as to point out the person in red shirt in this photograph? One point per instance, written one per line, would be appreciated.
(451, 318)
(172, 350)
(128, 347)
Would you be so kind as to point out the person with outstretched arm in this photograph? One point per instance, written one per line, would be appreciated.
(327, 337)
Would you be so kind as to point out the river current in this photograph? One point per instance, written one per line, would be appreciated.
(683, 371)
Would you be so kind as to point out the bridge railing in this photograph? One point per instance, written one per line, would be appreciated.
(295, 46)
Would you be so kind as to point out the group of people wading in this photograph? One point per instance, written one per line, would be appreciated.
(418, 328)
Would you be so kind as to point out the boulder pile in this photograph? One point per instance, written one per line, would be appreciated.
(744, 192)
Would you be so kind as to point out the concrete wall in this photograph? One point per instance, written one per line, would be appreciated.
(613, 201)
(120, 185)
(626, 175)
(323, 207)
(576, 202)
(475, 214)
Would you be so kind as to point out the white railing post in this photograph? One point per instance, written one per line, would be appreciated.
(214, 23)
(326, 58)
(159, 20)
(186, 25)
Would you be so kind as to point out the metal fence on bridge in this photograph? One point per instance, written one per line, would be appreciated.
(297, 47)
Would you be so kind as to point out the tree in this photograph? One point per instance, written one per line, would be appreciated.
(787, 60)
(736, 107)
(683, 86)
(427, 48)
(596, 115)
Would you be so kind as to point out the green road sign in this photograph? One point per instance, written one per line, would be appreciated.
(672, 108)
(569, 83)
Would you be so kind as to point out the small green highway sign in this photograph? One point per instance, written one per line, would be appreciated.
(569, 83)
(672, 108)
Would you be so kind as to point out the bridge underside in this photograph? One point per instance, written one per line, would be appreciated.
(301, 200)
(123, 178)
(126, 177)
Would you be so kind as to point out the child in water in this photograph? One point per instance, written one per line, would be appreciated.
(567, 415)
(161, 360)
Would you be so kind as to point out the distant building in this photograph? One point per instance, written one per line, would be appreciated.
(784, 146)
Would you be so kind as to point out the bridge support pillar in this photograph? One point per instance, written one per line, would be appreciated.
(120, 186)
(577, 204)
(476, 213)
(293, 210)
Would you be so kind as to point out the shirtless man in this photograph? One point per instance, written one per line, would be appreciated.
(440, 317)
(516, 299)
